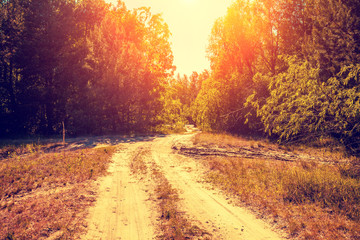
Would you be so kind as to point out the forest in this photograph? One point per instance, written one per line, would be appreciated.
(286, 69)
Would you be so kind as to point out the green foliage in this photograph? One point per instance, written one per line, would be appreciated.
(288, 67)
(127, 69)
(244, 43)
(300, 106)
(173, 116)
(295, 98)
(95, 67)
(206, 108)
(334, 38)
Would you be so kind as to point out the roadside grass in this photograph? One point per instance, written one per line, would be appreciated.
(45, 194)
(221, 140)
(170, 129)
(308, 200)
(15, 150)
(173, 224)
(137, 164)
(323, 148)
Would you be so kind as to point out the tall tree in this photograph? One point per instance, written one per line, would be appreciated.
(43, 57)
(334, 37)
(318, 94)
(127, 69)
(244, 43)
(11, 20)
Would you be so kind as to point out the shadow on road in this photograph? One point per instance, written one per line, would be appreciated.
(21, 146)
(100, 141)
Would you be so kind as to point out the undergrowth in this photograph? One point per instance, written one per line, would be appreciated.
(310, 200)
(306, 199)
(15, 150)
(322, 148)
(220, 140)
(172, 223)
(42, 194)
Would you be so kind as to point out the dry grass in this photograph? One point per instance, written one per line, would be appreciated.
(172, 223)
(326, 149)
(137, 164)
(15, 150)
(220, 140)
(309, 200)
(45, 194)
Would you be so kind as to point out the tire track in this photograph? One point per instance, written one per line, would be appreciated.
(221, 219)
(128, 208)
(122, 210)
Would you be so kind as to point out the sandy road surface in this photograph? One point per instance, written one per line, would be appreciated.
(123, 211)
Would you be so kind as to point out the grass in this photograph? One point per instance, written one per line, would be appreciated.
(15, 150)
(323, 148)
(308, 200)
(220, 140)
(42, 194)
(137, 164)
(172, 222)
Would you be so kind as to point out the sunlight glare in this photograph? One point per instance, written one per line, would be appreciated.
(190, 22)
(189, 1)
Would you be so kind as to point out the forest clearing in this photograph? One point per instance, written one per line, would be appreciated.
(154, 188)
(261, 143)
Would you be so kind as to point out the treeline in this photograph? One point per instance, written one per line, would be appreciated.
(95, 67)
(289, 68)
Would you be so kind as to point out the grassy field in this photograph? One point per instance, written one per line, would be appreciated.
(306, 199)
(45, 194)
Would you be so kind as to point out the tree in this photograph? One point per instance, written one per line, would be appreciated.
(127, 69)
(45, 60)
(300, 107)
(94, 66)
(11, 20)
(334, 37)
(243, 43)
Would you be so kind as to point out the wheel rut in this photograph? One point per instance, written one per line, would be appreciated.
(126, 208)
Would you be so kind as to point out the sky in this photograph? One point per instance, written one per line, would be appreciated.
(190, 22)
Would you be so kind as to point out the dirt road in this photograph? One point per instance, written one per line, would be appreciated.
(124, 210)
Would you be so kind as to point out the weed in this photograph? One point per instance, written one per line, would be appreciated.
(46, 193)
(137, 164)
(311, 200)
(324, 186)
(351, 169)
(293, 193)
(172, 224)
(220, 140)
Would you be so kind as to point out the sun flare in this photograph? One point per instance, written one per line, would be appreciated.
(189, 1)
(190, 22)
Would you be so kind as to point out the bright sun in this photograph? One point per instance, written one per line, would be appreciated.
(190, 22)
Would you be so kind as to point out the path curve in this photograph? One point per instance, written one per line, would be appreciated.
(123, 209)
(203, 204)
